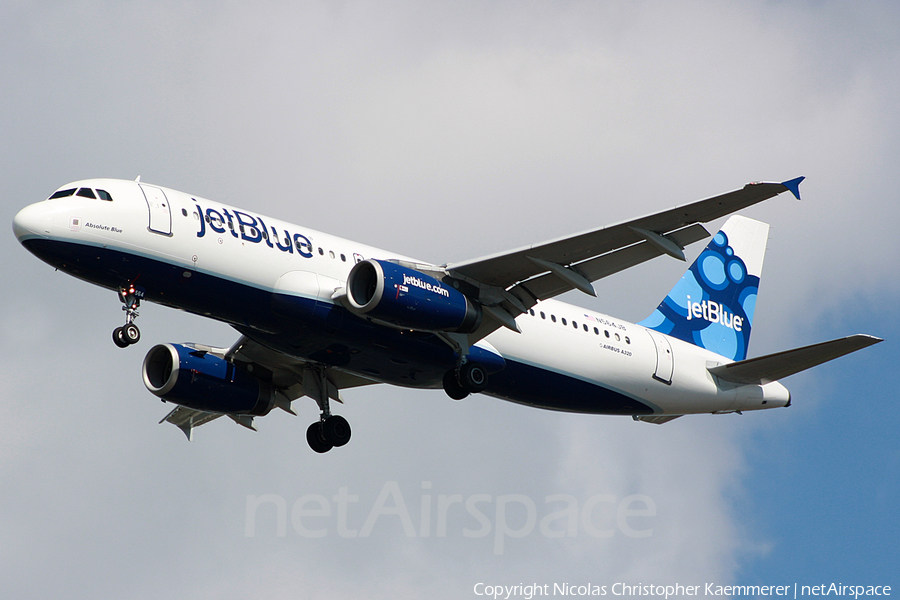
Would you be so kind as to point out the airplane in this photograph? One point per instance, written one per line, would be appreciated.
(318, 314)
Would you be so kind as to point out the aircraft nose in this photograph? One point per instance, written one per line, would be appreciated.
(32, 221)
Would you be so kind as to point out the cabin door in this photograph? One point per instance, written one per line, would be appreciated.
(665, 363)
(160, 213)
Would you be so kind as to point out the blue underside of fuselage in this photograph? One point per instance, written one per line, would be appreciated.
(322, 332)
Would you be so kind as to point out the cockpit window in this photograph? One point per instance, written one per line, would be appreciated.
(84, 193)
(62, 193)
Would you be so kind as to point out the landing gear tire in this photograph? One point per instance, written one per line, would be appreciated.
(131, 333)
(473, 377)
(119, 337)
(316, 439)
(333, 432)
(452, 386)
(126, 336)
(336, 430)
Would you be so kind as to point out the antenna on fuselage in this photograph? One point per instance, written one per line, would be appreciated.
(138, 179)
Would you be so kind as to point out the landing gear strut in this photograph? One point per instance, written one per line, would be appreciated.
(330, 431)
(129, 333)
(469, 378)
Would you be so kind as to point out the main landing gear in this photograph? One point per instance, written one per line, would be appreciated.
(330, 431)
(469, 378)
(129, 333)
(327, 433)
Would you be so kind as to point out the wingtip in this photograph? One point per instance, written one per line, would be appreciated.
(869, 340)
(794, 186)
(188, 431)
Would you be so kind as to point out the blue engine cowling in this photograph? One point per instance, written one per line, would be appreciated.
(197, 379)
(408, 299)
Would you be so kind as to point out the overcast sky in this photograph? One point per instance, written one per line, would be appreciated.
(448, 131)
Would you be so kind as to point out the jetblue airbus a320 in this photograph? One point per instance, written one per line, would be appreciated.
(317, 313)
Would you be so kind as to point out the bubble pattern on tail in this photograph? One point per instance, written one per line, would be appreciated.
(712, 305)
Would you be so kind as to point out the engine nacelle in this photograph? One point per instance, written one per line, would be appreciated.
(197, 379)
(408, 299)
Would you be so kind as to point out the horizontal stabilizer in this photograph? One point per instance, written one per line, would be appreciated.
(766, 369)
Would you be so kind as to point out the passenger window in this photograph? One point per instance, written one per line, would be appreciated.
(104, 195)
(585, 327)
(62, 194)
(344, 259)
(543, 316)
(574, 324)
(86, 193)
(606, 332)
(627, 340)
(553, 318)
(184, 212)
(321, 252)
(564, 321)
(596, 331)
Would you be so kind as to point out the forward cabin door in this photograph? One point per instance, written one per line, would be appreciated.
(665, 363)
(160, 213)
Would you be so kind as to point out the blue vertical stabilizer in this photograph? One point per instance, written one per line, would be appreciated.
(712, 305)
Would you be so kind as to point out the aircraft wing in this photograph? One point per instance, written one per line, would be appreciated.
(510, 283)
(291, 378)
(288, 373)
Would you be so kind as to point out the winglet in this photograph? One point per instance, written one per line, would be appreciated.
(188, 430)
(794, 186)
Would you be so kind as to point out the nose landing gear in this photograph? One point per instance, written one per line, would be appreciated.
(129, 333)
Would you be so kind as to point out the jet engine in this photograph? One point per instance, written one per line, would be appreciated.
(408, 299)
(195, 378)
